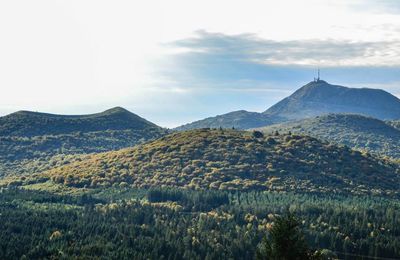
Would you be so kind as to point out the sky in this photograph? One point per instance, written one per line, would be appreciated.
(176, 61)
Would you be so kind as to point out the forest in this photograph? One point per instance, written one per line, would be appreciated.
(225, 159)
(174, 223)
(359, 132)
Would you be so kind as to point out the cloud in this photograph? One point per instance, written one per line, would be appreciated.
(246, 62)
(327, 53)
(222, 73)
(376, 6)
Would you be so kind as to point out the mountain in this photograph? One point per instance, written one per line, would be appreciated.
(230, 160)
(238, 119)
(26, 135)
(29, 124)
(356, 131)
(319, 97)
(313, 99)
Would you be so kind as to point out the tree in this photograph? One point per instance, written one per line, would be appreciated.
(258, 134)
(285, 241)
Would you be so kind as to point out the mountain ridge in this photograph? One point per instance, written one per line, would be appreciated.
(313, 99)
(29, 123)
(320, 97)
(112, 110)
(240, 119)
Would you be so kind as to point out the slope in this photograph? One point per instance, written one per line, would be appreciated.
(35, 136)
(320, 97)
(238, 119)
(231, 160)
(313, 99)
(356, 131)
(29, 124)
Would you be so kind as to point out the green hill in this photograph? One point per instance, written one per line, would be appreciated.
(230, 160)
(356, 131)
(238, 119)
(38, 136)
(29, 124)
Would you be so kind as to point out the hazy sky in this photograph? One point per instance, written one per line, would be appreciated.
(176, 61)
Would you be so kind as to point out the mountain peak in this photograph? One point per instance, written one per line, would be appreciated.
(27, 123)
(116, 110)
(319, 97)
(317, 82)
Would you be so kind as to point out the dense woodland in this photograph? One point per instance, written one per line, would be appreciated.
(229, 160)
(198, 194)
(356, 131)
(187, 224)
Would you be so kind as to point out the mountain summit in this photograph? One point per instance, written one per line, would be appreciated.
(31, 135)
(313, 99)
(28, 123)
(319, 97)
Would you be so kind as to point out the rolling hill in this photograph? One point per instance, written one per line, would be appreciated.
(313, 99)
(29, 124)
(356, 131)
(238, 119)
(230, 160)
(31, 136)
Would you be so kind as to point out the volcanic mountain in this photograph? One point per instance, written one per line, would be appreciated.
(28, 124)
(315, 98)
(26, 135)
(319, 97)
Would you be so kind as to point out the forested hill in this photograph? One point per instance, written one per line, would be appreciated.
(320, 97)
(356, 131)
(28, 124)
(394, 123)
(28, 140)
(238, 119)
(231, 160)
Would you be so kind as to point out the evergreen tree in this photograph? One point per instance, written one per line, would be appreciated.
(285, 241)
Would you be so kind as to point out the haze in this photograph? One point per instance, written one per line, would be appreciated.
(173, 62)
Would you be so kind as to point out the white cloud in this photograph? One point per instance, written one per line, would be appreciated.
(82, 55)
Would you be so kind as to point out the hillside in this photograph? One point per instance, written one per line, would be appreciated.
(29, 124)
(230, 160)
(238, 119)
(38, 136)
(356, 131)
(320, 97)
(394, 123)
(313, 99)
